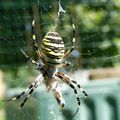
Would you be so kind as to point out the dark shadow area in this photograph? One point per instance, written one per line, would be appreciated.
(113, 108)
(90, 109)
(68, 114)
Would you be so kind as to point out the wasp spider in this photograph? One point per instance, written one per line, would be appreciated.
(53, 56)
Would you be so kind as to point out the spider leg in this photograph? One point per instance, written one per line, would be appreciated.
(58, 96)
(64, 64)
(21, 94)
(73, 42)
(28, 91)
(79, 86)
(36, 84)
(28, 95)
(34, 40)
(67, 80)
(39, 66)
(26, 98)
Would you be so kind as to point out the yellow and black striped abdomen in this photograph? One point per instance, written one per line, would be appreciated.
(52, 48)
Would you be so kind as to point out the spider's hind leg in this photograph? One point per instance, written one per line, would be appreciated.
(31, 89)
(19, 96)
(27, 92)
(58, 96)
(68, 81)
(81, 89)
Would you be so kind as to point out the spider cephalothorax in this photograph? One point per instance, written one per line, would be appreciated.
(53, 56)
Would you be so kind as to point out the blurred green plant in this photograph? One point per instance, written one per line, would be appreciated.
(97, 30)
(15, 77)
(1, 105)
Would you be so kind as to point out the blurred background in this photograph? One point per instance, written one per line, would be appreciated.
(95, 63)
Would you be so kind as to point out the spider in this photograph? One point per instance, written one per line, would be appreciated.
(53, 56)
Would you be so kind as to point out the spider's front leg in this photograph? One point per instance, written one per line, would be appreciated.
(39, 66)
(35, 41)
(73, 43)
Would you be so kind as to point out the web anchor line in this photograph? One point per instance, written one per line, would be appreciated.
(60, 11)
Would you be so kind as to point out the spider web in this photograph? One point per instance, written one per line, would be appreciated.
(45, 14)
(92, 50)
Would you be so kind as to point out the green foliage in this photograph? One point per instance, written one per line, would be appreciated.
(98, 26)
(15, 77)
(97, 30)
